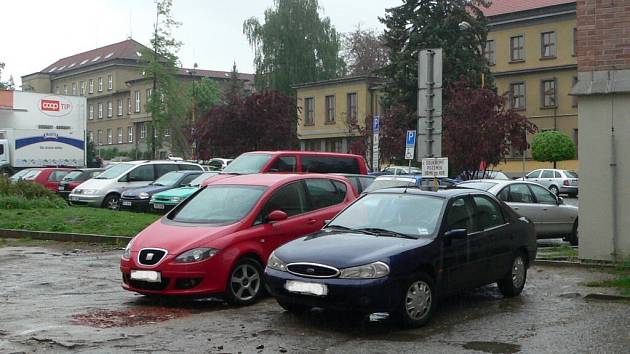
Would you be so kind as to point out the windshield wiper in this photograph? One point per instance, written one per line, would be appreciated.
(338, 227)
(383, 232)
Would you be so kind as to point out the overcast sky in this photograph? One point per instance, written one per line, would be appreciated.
(35, 33)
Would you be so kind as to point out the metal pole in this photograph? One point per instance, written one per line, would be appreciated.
(613, 182)
(429, 97)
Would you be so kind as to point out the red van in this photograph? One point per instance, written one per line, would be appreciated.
(296, 161)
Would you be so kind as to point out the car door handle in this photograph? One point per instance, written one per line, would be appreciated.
(311, 221)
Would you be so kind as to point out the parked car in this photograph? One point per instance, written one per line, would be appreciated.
(48, 177)
(137, 199)
(296, 161)
(557, 181)
(20, 174)
(487, 175)
(217, 241)
(163, 202)
(552, 218)
(359, 182)
(218, 164)
(74, 178)
(105, 189)
(396, 250)
(399, 170)
(409, 181)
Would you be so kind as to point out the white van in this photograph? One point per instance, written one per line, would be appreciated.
(105, 189)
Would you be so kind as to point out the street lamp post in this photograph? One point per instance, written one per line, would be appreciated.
(192, 72)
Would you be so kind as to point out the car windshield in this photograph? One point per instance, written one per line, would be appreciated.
(202, 177)
(220, 204)
(72, 175)
(484, 186)
(19, 175)
(115, 171)
(571, 174)
(389, 183)
(409, 214)
(32, 174)
(247, 163)
(168, 179)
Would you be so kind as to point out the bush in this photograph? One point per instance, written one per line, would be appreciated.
(27, 195)
(552, 146)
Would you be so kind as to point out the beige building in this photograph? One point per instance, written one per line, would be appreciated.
(111, 78)
(331, 112)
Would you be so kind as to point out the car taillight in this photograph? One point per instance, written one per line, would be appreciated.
(565, 182)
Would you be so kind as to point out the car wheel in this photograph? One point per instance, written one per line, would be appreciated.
(244, 283)
(514, 280)
(418, 302)
(573, 239)
(112, 202)
(293, 308)
(555, 190)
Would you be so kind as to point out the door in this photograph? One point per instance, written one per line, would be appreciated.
(492, 242)
(326, 199)
(138, 177)
(556, 220)
(55, 176)
(456, 252)
(533, 176)
(521, 199)
(546, 178)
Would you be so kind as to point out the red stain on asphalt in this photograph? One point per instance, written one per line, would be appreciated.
(128, 318)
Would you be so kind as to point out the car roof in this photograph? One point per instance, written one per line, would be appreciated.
(442, 193)
(272, 179)
(139, 162)
(298, 152)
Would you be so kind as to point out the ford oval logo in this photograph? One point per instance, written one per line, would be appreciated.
(310, 270)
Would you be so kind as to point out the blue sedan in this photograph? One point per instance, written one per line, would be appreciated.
(397, 250)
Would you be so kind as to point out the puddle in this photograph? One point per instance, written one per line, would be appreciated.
(128, 318)
(493, 347)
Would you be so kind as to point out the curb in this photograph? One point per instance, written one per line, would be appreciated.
(547, 262)
(63, 236)
(607, 297)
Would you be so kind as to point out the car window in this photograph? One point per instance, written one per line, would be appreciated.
(504, 194)
(73, 175)
(94, 174)
(389, 170)
(56, 176)
(534, 174)
(284, 164)
(487, 213)
(365, 182)
(321, 164)
(571, 174)
(460, 215)
(323, 193)
(215, 165)
(547, 174)
(543, 195)
(164, 168)
(290, 198)
(557, 174)
(189, 178)
(248, 163)
(519, 193)
(477, 185)
(142, 173)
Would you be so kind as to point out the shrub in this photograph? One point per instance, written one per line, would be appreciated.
(552, 146)
(27, 195)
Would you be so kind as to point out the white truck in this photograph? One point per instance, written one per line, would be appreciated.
(41, 130)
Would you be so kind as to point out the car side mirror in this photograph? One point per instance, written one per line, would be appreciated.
(124, 178)
(560, 201)
(456, 234)
(277, 215)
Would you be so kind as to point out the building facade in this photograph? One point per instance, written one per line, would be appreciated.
(112, 79)
(332, 112)
(531, 49)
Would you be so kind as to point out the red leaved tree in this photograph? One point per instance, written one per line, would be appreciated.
(479, 127)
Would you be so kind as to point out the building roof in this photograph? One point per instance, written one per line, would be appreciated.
(215, 74)
(501, 7)
(340, 80)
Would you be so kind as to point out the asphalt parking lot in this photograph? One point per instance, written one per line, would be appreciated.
(55, 299)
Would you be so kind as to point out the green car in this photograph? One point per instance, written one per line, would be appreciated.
(165, 201)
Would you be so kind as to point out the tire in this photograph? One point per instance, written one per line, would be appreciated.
(293, 308)
(513, 282)
(418, 302)
(554, 190)
(112, 202)
(245, 282)
(573, 239)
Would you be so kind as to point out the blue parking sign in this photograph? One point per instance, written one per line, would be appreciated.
(376, 125)
(411, 138)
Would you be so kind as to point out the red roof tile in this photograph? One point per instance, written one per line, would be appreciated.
(500, 7)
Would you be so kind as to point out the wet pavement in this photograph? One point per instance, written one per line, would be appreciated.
(70, 301)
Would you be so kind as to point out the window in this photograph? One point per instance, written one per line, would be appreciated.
(547, 174)
(291, 199)
(110, 109)
(82, 88)
(90, 136)
(100, 84)
(65, 89)
(517, 48)
(489, 52)
(574, 99)
(323, 193)
(330, 109)
(487, 213)
(110, 138)
(548, 93)
(120, 135)
(517, 95)
(317, 164)
(130, 134)
(110, 82)
(99, 137)
(164, 168)
(352, 107)
(100, 111)
(309, 110)
(56, 176)
(533, 174)
(283, 164)
(57, 90)
(574, 51)
(137, 95)
(149, 94)
(91, 112)
(143, 173)
(519, 193)
(556, 174)
(91, 86)
(460, 215)
(74, 89)
(548, 44)
(543, 195)
(128, 105)
(120, 107)
(143, 131)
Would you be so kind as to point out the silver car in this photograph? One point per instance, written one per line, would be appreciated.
(551, 217)
(557, 181)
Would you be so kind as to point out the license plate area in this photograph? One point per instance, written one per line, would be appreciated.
(125, 203)
(146, 275)
(158, 206)
(301, 287)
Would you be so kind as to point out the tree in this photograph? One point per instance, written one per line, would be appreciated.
(8, 85)
(294, 45)
(478, 127)
(552, 146)
(364, 51)
(423, 24)
(235, 86)
(206, 95)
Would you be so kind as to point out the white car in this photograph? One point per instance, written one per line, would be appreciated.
(558, 181)
(105, 189)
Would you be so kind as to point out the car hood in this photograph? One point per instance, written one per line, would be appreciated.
(177, 192)
(97, 184)
(342, 250)
(150, 189)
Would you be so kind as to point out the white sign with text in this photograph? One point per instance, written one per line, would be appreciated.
(435, 167)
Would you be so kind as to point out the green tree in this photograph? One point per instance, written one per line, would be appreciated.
(235, 87)
(206, 95)
(6, 85)
(552, 146)
(294, 45)
(457, 26)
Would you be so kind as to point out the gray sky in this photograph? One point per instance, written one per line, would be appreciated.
(35, 33)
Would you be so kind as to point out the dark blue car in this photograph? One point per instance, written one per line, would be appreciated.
(137, 199)
(397, 250)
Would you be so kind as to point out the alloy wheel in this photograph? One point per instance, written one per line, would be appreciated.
(418, 300)
(554, 190)
(245, 282)
(518, 272)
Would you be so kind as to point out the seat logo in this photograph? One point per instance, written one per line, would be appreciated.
(149, 256)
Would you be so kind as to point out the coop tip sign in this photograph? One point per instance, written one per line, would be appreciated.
(435, 167)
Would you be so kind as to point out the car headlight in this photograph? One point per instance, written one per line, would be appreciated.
(368, 271)
(127, 252)
(276, 263)
(144, 195)
(90, 191)
(196, 255)
(176, 199)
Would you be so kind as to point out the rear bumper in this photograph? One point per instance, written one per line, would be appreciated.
(569, 189)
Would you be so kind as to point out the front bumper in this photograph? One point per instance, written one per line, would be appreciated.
(362, 295)
(86, 199)
(134, 204)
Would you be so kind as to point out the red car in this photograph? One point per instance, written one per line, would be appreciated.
(48, 177)
(218, 240)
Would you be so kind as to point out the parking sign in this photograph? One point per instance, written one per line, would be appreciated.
(410, 144)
